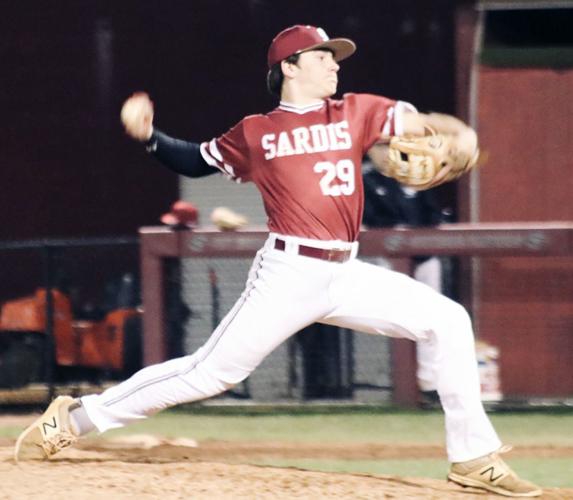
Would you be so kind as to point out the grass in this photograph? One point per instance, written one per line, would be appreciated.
(350, 425)
(330, 428)
(363, 425)
(547, 472)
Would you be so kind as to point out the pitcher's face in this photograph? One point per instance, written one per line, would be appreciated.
(317, 74)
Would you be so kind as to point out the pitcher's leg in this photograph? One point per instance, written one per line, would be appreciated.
(469, 432)
(278, 303)
(428, 272)
(376, 300)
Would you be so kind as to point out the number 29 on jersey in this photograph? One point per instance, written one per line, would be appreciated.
(338, 179)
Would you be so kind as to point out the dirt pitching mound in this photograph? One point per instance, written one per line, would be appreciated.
(145, 467)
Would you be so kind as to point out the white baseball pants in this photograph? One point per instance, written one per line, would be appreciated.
(286, 292)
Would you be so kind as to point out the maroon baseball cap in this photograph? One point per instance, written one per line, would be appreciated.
(182, 213)
(301, 38)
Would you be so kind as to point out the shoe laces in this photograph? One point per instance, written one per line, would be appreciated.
(59, 441)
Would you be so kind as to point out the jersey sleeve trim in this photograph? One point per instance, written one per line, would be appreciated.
(211, 155)
(394, 124)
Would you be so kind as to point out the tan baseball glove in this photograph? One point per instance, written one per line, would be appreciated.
(428, 161)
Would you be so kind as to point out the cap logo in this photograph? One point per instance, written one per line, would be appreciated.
(322, 34)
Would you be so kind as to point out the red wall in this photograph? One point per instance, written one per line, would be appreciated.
(526, 305)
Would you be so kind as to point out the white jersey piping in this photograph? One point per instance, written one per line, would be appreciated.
(300, 110)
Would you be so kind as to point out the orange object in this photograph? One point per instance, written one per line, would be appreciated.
(28, 314)
(93, 344)
(101, 344)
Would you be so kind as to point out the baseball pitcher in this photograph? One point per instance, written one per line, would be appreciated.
(305, 158)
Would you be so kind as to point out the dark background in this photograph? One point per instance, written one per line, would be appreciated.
(68, 169)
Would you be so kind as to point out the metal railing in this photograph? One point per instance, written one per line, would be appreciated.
(401, 245)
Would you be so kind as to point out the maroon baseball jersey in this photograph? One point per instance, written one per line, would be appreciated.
(307, 162)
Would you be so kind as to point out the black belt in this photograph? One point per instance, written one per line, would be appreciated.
(317, 253)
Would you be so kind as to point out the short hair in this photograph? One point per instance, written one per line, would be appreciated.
(275, 75)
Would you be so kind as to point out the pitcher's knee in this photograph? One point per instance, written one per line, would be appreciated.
(454, 322)
(461, 316)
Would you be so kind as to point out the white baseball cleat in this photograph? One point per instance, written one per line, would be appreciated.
(493, 474)
(49, 434)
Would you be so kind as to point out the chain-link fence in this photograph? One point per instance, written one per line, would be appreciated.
(70, 315)
(320, 362)
(71, 322)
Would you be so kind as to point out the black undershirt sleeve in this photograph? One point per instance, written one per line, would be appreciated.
(183, 157)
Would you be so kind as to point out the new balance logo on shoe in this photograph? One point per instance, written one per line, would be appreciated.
(492, 477)
(53, 425)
